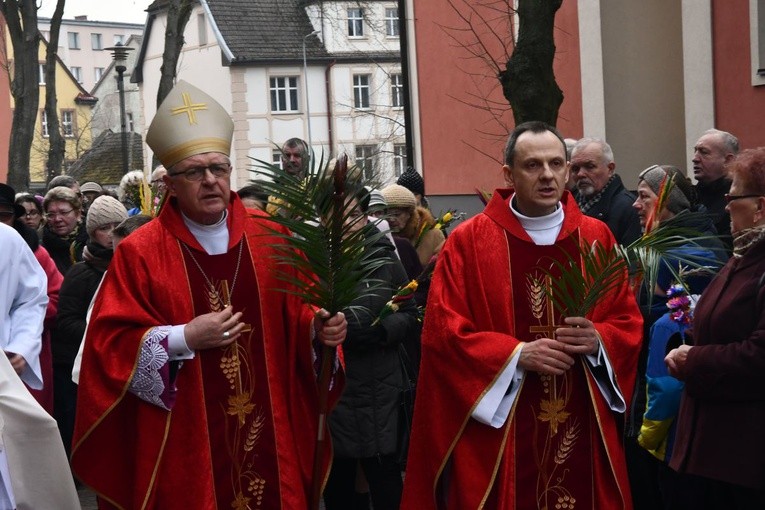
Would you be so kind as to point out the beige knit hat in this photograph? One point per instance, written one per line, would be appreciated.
(187, 123)
(398, 196)
(103, 211)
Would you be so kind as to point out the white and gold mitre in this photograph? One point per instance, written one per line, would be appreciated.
(189, 122)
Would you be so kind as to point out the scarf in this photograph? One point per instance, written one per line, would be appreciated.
(743, 240)
(585, 204)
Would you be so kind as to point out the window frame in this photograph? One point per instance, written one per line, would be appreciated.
(71, 124)
(362, 91)
(77, 73)
(391, 23)
(73, 38)
(96, 41)
(44, 130)
(396, 90)
(360, 160)
(289, 94)
(98, 72)
(399, 159)
(355, 17)
(41, 71)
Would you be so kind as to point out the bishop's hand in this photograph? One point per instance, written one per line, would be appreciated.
(214, 329)
(580, 338)
(546, 356)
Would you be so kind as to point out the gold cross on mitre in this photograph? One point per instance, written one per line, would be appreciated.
(188, 108)
(547, 329)
(225, 295)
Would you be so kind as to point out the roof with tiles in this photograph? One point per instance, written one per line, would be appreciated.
(103, 162)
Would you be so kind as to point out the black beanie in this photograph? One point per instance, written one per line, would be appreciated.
(412, 181)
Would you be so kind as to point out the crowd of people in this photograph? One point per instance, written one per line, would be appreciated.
(181, 375)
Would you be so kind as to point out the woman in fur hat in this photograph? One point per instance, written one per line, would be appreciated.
(408, 220)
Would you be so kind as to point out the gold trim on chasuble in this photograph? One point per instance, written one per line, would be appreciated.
(552, 413)
(250, 420)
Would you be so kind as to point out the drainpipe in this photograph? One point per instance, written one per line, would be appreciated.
(330, 108)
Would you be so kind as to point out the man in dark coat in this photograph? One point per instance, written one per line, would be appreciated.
(600, 192)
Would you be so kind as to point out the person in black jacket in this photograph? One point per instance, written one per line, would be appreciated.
(80, 284)
(599, 191)
(364, 424)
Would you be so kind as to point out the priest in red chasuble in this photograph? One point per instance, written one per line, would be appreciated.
(197, 387)
(518, 407)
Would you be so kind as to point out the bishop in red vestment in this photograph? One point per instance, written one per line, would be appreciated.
(517, 407)
(197, 386)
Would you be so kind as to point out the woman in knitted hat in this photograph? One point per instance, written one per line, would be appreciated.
(407, 220)
(413, 181)
(80, 284)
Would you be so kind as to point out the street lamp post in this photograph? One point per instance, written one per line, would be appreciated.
(307, 102)
(119, 55)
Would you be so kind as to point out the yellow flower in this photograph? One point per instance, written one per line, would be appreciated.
(437, 226)
(240, 405)
(552, 411)
(412, 285)
(447, 218)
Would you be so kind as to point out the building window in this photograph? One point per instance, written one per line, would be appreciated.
(757, 41)
(96, 42)
(67, 123)
(365, 160)
(391, 22)
(77, 73)
(44, 124)
(356, 22)
(396, 91)
(276, 157)
(130, 123)
(284, 94)
(42, 68)
(119, 39)
(98, 72)
(202, 29)
(74, 40)
(361, 90)
(399, 159)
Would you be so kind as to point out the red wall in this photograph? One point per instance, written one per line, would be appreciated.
(739, 107)
(462, 144)
(5, 111)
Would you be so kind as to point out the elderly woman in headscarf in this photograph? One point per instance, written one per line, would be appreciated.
(719, 445)
(681, 207)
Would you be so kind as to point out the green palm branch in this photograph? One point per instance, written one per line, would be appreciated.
(330, 256)
(585, 277)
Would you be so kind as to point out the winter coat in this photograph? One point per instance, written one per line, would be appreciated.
(431, 241)
(722, 411)
(615, 210)
(365, 421)
(65, 251)
(79, 287)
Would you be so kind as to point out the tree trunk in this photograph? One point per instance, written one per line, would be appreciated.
(56, 141)
(528, 81)
(21, 18)
(178, 13)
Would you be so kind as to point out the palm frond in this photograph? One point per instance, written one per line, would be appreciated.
(324, 258)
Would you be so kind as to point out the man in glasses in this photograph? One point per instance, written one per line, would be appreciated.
(197, 369)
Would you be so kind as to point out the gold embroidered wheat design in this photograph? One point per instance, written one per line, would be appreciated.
(536, 292)
(255, 430)
(216, 304)
(567, 442)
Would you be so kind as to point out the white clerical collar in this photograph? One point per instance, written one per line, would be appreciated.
(543, 230)
(213, 238)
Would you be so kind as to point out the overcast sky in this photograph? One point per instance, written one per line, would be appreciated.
(129, 11)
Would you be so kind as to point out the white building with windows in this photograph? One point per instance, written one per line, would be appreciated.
(249, 56)
(81, 45)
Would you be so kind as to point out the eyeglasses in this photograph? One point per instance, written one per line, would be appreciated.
(32, 214)
(54, 215)
(198, 173)
(730, 198)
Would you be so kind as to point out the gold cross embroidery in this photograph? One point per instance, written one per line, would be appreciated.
(549, 328)
(189, 108)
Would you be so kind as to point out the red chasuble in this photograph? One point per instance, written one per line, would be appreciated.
(241, 432)
(561, 445)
